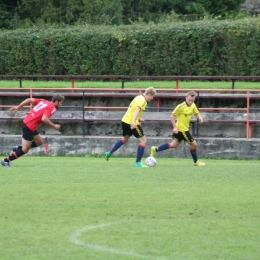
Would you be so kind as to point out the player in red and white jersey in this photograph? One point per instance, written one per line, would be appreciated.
(40, 113)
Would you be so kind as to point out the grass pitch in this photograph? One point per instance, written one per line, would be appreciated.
(87, 208)
(193, 84)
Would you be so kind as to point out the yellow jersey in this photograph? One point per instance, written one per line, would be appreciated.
(138, 101)
(183, 112)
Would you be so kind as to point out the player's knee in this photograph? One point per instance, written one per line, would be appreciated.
(193, 145)
(173, 144)
(25, 149)
(39, 143)
(144, 142)
(124, 140)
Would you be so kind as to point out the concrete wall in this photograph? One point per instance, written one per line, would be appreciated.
(151, 129)
(97, 145)
(215, 140)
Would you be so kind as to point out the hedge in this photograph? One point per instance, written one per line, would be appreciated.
(208, 47)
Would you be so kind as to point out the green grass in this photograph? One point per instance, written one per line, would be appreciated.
(87, 208)
(130, 84)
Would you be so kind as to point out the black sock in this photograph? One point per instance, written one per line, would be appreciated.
(33, 144)
(194, 155)
(15, 155)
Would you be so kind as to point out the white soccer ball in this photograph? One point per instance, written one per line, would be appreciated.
(150, 161)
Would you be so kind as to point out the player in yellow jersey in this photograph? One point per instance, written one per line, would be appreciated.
(131, 125)
(183, 112)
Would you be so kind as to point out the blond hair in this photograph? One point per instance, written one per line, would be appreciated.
(191, 93)
(151, 91)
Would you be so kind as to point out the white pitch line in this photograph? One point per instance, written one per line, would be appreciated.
(74, 238)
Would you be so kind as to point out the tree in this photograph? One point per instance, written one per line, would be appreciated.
(7, 13)
(23, 13)
(101, 12)
(215, 8)
(147, 10)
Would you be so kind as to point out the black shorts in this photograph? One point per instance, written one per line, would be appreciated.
(137, 132)
(28, 134)
(186, 136)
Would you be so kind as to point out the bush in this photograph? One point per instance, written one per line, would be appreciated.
(207, 47)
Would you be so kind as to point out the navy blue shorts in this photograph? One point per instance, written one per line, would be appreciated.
(137, 132)
(28, 134)
(186, 136)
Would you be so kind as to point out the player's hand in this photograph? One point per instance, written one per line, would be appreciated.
(141, 120)
(175, 130)
(56, 127)
(13, 109)
(133, 126)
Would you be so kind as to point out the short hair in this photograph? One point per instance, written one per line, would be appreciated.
(191, 93)
(151, 91)
(57, 97)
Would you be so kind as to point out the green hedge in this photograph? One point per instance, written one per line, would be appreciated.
(207, 47)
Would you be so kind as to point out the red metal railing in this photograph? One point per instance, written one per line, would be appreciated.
(131, 92)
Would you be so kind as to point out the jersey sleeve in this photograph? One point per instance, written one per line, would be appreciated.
(177, 110)
(195, 110)
(37, 101)
(140, 102)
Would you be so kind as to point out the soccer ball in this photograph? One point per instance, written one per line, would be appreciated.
(150, 161)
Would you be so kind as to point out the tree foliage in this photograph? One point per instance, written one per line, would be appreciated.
(220, 7)
(24, 13)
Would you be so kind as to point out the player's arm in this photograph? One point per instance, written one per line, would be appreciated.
(173, 121)
(135, 114)
(48, 122)
(24, 103)
(199, 118)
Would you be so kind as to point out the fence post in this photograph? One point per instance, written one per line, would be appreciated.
(83, 113)
(233, 83)
(248, 127)
(158, 104)
(72, 85)
(3, 102)
(197, 126)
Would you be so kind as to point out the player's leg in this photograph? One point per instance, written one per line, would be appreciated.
(126, 135)
(193, 149)
(140, 151)
(37, 141)
(16, 147)
(173, 144)
(116, 146)
(138, 133)
(28, 137)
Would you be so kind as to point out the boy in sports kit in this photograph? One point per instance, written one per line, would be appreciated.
(131, 125)
(41, 112)
(183, 112)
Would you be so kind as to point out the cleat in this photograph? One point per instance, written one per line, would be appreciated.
(140, 164)
(107, 155)
(6, 164)
(153, 151)
(198, 163)
(15, 148)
